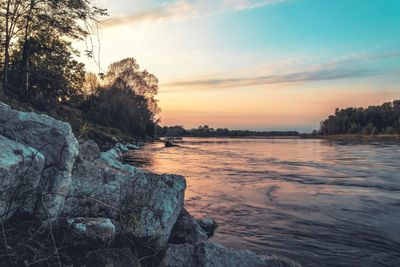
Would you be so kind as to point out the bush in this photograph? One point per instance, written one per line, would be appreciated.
(118, 106)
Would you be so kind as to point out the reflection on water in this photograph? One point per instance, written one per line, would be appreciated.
(322, 203)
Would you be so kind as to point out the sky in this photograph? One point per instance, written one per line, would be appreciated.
(257, 64)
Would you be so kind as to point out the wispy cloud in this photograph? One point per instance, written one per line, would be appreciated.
(184, 9)
(349, 66)
(305, 76)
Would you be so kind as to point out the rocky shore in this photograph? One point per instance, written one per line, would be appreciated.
(68, 204)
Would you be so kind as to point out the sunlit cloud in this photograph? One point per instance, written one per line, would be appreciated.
(185, 9)
(344, 67)
(306, 76)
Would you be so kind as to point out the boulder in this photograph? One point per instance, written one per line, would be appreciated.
(208, 225)
(144, 206)
(55, 141)
(89, 233)
(123, 148)
(169, 143)
(132, 146)
(208, 254)
(20, 170)
(187, 230)
(89, 150)
(122, 257)
(112, 158)
(181, 255)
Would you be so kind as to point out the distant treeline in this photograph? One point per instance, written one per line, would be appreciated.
(384, 119)
(206, 131)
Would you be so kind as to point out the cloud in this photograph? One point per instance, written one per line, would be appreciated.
(306, 76)
(185, 9)
(351, 65)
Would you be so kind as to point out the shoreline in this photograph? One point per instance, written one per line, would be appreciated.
(352, 137)
(94, 210)
(302, 136)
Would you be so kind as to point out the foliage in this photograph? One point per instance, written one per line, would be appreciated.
(54, 74)
(118, 106)
(206, 131)
(35, 52)
(126, 100)
(141, 82)
(384, 119)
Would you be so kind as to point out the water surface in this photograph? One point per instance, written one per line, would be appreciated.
(319, 202)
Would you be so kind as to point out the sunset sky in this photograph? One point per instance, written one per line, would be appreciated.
(258, 64)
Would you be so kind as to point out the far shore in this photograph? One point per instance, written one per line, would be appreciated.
(306, 136)
(353, 137)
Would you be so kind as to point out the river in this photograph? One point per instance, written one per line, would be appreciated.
(318, 202)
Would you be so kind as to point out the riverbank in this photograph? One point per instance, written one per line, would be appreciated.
(353, 137)
(82, 207)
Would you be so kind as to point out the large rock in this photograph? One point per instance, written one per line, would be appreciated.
(110, 258)
(142, 205)
(20, 170)
(89, 150)
(208, 254)
(208, 225)
(187, 230)
(112, 158)
(55, 141)
(89, 233)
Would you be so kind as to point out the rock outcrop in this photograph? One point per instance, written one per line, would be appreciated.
(208, 225)
(143, 206)
(20, 172)
(208, 254)
(87, 208)
(86, 232)
(110, 258)
(89, 151)
(187, 230)
(56, 142)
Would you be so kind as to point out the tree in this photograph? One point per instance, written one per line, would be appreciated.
(92, 83)
(25, 22)
(125, 100)
(383, 119)
(55, 75)
(141, 81)
(119, 107)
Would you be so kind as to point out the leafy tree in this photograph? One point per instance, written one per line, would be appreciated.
(383, 119)
(118, 106)
(92, 83)
(29, 24)
(55, 76)
(125, 99)
(206, 131)
(142, 82)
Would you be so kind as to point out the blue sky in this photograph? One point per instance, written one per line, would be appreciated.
(259, 64)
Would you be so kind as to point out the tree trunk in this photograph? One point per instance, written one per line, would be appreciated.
(6, 47)
(24, 68)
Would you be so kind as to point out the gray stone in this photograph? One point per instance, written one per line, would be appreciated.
(123, 148)
(89, 233)
(181, 255)
(89, 150)
(208, 254)
(20, 170)
(110, 258)
(143, 205)
(55, 140)
(132, 146)
(187, 230)
(208, 225)
(112, 156)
